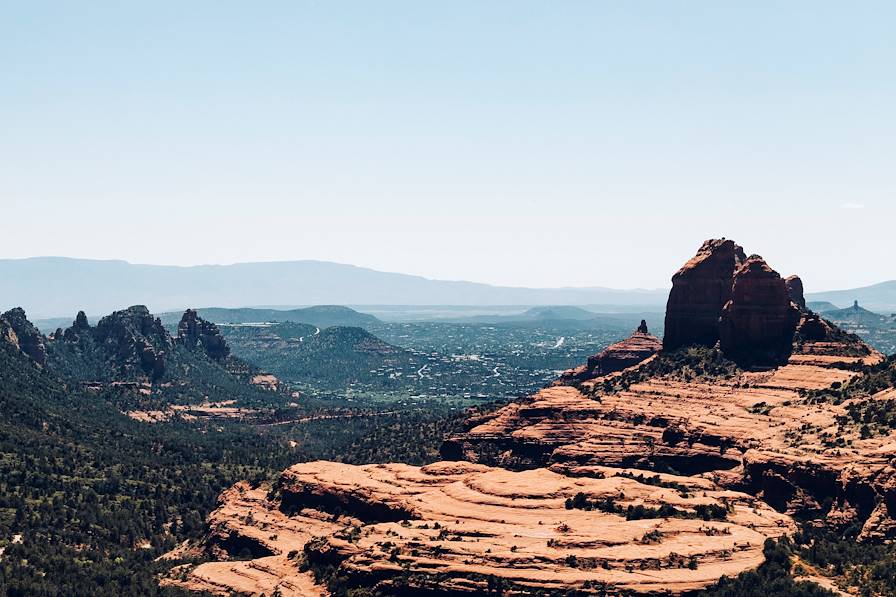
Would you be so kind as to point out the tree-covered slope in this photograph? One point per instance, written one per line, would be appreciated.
(332, 357)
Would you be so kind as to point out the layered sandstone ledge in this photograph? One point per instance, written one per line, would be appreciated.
(730, 412)
(755, 431)
(616, 357)
(469, 527)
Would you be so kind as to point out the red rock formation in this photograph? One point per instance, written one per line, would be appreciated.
(699, 291)
(776, 433)
(795, 291)
(616, 357)
(466, 529)
(720, 295)
(758, 322)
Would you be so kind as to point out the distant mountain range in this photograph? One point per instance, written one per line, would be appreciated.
(56, 286)
(877, 297)
(876, 328)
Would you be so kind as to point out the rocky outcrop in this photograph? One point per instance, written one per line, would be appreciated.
(722, 296)
(795, 291)
(758, 322)
(136, 340)
(131, 351)
(700, 289)
(7, 335)
(616, 357)
(79, 328)
(194, 333)
(470, 529)
(131, 343)
(571, 507)
(752, 431)
(694, 411)
(28, 338)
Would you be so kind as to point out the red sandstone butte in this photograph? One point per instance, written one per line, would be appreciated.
(699, 291)
(759, 319)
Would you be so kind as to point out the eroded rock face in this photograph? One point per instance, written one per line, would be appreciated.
(28, 338)
(137, 340)
(751, 431)
(700, 289)
(8, 335)
(132, 341)
(195, 332)
(468, 528)
(722, 296)
(795, 291)
(616, 357)
(758, 322)
(767, 441)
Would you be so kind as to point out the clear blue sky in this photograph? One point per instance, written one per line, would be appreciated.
(524, 143)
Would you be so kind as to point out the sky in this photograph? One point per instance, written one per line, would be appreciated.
(513, 142)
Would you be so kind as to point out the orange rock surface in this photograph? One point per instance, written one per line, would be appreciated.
(756, 432)
(616, 357)
(459, 524)
(549, 492)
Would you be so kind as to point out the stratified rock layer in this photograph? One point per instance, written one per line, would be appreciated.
(699, 291)
(463, 527)
(752, 431)
(616, 357)
(560, 514)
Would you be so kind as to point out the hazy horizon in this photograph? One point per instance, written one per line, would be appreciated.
(515, 144)
(663, 288)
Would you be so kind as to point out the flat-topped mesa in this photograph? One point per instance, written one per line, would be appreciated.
(700, 289)
(195, 332)
(758, 323)
(616, 357)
